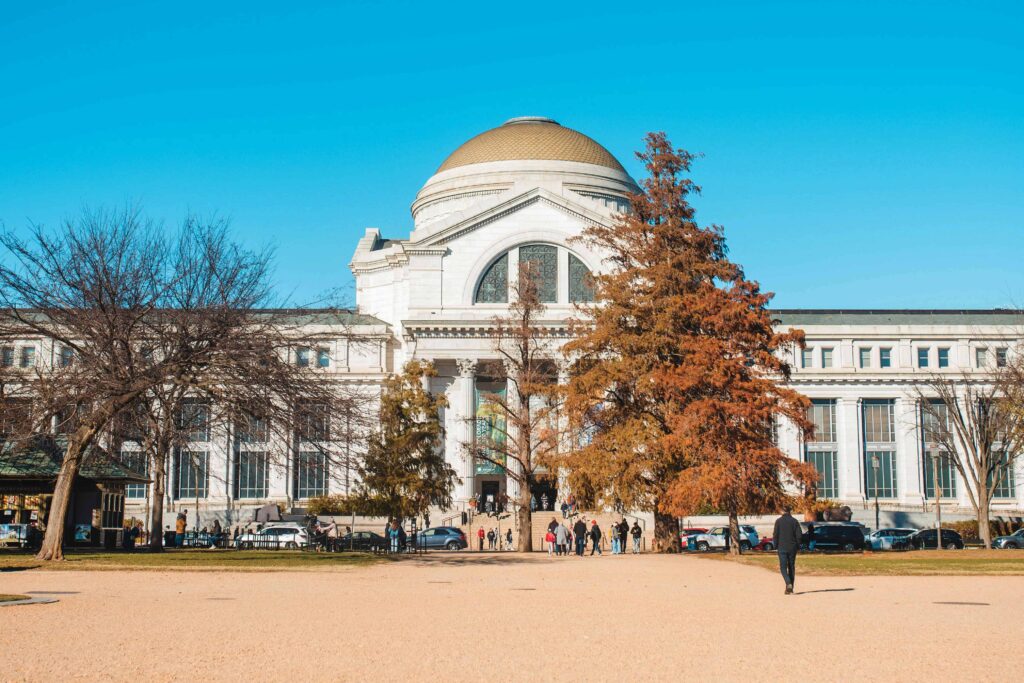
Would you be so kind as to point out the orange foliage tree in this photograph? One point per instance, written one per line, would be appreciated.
(677, 379)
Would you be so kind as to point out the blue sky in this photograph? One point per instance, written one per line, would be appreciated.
(868, 154)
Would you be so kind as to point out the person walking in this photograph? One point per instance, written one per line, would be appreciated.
(480, 537)
(561, 539)
(543, 501)
(786, 535)
(595, 538)
(490, 539)
(579, 532)
(637, 533)
(623, 535)
(549, 539)
(508, 540)
(179, 531)
(613, 538)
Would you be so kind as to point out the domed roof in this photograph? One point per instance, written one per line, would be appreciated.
(530, 137)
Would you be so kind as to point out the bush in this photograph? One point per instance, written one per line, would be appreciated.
(997, 527)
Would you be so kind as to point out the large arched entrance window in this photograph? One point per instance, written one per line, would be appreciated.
(562, 277)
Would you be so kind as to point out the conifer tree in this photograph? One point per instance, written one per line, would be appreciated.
(404, 472)
(677, 377)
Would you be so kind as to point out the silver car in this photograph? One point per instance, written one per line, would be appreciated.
(891, 539)
(1014, 540)
(715, 538)
(275, 537)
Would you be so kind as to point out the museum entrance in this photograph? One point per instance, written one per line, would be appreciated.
(544, 494)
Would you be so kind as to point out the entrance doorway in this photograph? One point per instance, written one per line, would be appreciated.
(489, 495)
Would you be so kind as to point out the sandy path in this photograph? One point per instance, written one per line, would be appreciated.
(467, 617)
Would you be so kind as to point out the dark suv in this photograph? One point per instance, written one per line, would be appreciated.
(925, 538)
(834, 537)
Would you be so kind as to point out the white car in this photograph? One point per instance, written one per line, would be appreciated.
(715, 538)
(274, 537)
(891, 539)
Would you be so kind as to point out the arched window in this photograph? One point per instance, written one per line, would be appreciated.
(493, 287)
(581, 288)
(544, 258)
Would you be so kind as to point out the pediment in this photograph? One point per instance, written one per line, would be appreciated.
(502, 210)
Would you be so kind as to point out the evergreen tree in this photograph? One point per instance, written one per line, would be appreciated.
(678, 376)
(404, 472)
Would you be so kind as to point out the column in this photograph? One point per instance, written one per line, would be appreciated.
(908, 452)
(464, 409)
(851, 457)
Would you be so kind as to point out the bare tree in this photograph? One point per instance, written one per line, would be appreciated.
(978, 424)
(523, 430)
(131, 312)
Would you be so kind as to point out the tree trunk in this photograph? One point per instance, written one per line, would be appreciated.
(984, 530)
(734, 533)
(525, 518)
(666, 533)
(53, 542)
(156, 523)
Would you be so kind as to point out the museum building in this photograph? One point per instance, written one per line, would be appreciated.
(521, 192)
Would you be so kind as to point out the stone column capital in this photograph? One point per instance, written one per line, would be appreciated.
(467, 367)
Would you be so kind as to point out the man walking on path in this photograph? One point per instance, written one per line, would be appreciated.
(636, 532)
(579, 533)
(787, 539)
(595, 537)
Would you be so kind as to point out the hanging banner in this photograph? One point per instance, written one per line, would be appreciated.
(490, 431)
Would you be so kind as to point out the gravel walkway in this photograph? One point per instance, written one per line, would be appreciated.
(504, 617)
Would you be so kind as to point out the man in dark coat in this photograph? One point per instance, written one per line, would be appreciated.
(787, 540)
(595, 537)
(579, 533)
(623, 530)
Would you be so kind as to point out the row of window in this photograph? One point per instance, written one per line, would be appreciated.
(312, 423)
(191, 474)
(9, 356)
(870, 357)
(878, 434)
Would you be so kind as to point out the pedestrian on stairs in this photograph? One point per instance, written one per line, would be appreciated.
(595, 538)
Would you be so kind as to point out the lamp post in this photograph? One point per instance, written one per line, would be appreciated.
(875, 464)
(938, 497)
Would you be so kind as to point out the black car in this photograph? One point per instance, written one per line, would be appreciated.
(366, 541)
(834, 537)
(925, 538)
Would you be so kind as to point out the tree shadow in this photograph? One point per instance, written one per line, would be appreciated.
(19, 569)
(825, 590)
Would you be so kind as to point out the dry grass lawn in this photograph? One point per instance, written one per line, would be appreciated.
(910, 563)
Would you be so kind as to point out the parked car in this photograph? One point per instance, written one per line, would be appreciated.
(447, 537)
(1014, 540)
(925, 538)
(766, 545)
(716, 538)
(687, 532)
(891, 539)
(819, 536)
(275, 537)
(366, 541)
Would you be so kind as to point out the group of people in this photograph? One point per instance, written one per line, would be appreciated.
(494, 539)
(561, 540)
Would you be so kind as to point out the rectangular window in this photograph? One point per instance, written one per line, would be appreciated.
(251, 470)
(28, 356)
(807, 358)
(310, 474)
(922, 357)
(194, 420)
(1007, 485)
(1001, 358)
(193, 478)
(981, 357)
(323, 358)
(137, 462)
(252, 429)
(302, 356)
(879, 421)
(947, 474)
(67, 354)
(865, 358)
(943, 357)
(312, 423)
(822, 414)
(826, 358)
(885, 358)
(7, 356)
(885, 484)
(828, 478)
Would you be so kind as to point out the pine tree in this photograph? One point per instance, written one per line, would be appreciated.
(677, 376)
(404, 472)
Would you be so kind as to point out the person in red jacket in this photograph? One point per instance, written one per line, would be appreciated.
(480, 536)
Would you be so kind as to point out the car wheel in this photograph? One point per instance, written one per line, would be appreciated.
(848, 546)
(247, 545)
(452, 545)
(744, 546)
(951, 546)
(769, 547)
(703, 547)
(291, 545)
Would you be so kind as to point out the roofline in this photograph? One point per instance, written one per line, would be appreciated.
(889, 311)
